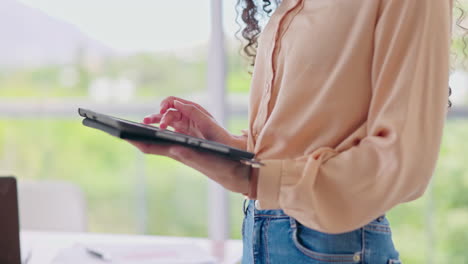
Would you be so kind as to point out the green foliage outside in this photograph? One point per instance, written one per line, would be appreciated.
(154, 76)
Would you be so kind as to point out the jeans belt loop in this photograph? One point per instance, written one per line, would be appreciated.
(244, 208)
(293, 223)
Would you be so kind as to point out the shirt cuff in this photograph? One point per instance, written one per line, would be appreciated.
(269, 184)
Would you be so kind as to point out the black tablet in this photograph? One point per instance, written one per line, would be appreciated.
(126, 129)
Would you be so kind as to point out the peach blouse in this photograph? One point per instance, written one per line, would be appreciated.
(347, 107)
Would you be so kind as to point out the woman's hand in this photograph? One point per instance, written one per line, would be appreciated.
(192, 119)
(230, 174)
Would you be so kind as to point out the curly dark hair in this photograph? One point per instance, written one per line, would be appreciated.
(252, 12)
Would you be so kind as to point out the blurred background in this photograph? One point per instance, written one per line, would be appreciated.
(123, 58)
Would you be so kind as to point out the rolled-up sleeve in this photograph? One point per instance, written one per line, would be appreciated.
(337, 191)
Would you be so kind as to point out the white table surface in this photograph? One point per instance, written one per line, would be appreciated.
(45, 246)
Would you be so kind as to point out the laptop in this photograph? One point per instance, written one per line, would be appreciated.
(10, 252)
(126, 129)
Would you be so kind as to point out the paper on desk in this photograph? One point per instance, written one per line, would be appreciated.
(136, 254)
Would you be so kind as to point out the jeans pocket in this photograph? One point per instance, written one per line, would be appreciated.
(327, 248)
(394, 261)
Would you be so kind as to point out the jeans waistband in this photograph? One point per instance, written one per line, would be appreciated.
(249, 205)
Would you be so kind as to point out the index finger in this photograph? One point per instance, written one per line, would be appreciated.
(169, 103)
(170, 117)
(152, 119)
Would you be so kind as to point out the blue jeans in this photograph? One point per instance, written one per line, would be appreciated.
(271, 237)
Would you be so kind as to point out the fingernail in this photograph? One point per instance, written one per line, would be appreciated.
(175, 151)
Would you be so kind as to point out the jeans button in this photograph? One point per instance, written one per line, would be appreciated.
(257, 205)
(357, 257)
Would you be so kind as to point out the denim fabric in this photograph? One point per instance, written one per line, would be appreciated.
(272, 237)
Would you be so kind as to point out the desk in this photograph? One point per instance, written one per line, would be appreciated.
(46, 245)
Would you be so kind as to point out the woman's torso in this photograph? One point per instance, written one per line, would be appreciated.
(312, 80)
